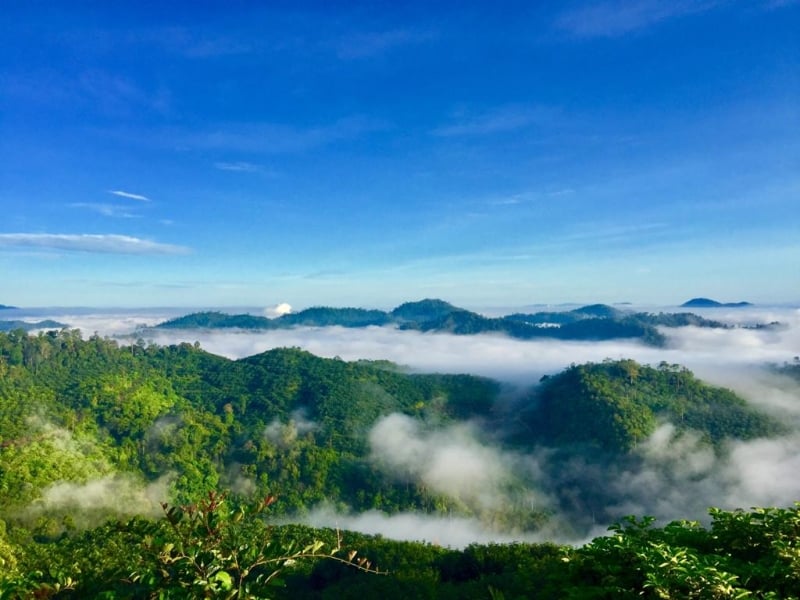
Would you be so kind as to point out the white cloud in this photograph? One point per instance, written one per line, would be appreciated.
(129, 195)
(276, 138)
(365, 45)
(240, 167)
(279, 309)
(108, 210)
(619, 17)
(497, 120)
(91, 243)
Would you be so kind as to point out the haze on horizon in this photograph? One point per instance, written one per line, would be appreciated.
(588, 151)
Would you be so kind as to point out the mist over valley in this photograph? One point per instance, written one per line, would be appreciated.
(492, 466)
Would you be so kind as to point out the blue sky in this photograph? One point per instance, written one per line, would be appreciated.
(238, 153)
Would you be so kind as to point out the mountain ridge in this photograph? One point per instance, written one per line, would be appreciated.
(591, 322)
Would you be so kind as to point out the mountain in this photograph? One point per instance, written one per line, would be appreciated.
(4, 306)
(592, 322)
(708, 303)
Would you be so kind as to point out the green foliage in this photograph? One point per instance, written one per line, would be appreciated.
(743, 555)
(214, 548)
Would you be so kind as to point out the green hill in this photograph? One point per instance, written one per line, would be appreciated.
(615, 405)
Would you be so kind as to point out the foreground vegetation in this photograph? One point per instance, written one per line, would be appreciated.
(221, 549)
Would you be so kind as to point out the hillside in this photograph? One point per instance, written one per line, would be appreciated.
(288, 421)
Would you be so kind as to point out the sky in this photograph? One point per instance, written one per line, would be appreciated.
(239, 153)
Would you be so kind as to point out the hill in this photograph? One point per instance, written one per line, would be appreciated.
(615, 405)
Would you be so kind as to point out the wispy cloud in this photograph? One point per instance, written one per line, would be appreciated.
(497, 120)
(277, 138)
(240, 167)
(364, 45)
(609, 232)
(196, 43)
(129, 195)
(91, 243)
(612, 18)
(106, 93)
(108, 210)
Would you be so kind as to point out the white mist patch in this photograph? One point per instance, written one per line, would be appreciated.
(452, 532)
(452, 461)
(765, 472)
(115, 494)
(284, 435)
(681, 476)
(449, 461)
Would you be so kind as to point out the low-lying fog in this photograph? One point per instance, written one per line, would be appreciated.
(677, 478)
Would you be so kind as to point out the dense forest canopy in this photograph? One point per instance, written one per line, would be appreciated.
(93, 430)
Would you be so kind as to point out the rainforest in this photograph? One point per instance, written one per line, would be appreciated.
(145, 470)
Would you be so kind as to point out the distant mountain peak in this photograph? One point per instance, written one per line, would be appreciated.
(427, 309)
(597, 310)
(709, 303)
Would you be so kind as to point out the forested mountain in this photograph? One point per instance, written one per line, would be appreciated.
(593, 322)
(90, 429)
